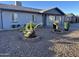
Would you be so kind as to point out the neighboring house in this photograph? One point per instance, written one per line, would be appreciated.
(72, 18)
(77, 19)
(16, 16)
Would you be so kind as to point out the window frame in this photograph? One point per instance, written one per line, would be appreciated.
(14, 17)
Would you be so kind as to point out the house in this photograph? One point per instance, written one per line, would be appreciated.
(77, 18)
(15, 16)
(72, 18)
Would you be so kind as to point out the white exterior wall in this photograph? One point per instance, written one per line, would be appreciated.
(6, 17)
(27, 17)
(38, 19)
(22, 19)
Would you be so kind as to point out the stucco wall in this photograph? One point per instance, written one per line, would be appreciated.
(38, 19)
(6, 17)
(22, 19)
(27, 17)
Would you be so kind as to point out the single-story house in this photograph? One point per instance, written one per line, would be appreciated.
(15, 16)
(72, 18)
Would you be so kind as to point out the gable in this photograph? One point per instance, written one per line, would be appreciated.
(54, 11)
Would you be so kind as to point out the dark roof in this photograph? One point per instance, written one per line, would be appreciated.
(54, 11)
(21, 8)
(70, 14)
(60, 11)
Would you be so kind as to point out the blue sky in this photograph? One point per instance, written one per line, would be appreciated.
(65, 6)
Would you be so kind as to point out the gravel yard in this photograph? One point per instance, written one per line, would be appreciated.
(12, 43)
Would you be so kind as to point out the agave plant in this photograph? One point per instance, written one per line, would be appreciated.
(29, 30)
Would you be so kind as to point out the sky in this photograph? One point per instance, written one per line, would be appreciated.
(65, 6)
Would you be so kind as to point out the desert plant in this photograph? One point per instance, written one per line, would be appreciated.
(30, 26)
(29, 30)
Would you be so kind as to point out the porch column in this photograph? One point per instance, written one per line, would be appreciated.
(55, 18)
(44, 20)
(1, 20)
(61, 20)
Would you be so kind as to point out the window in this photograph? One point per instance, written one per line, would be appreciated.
(52, 18)
(14, 17)
(58, 18)
(33, 18)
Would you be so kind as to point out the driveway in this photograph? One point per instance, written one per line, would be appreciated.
(74, 26)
